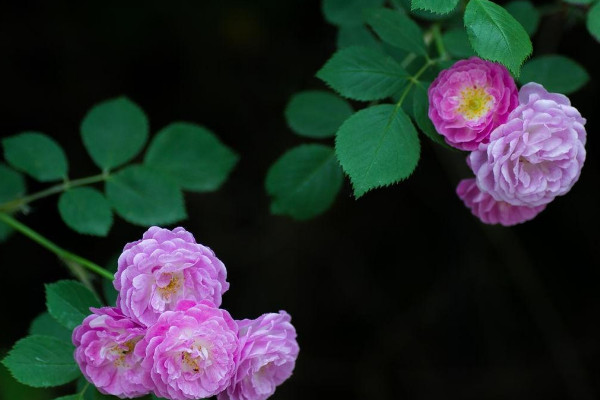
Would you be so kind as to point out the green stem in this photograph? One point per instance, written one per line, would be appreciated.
(60, 252)
(14, 204)
(413, 81)
(439, 43)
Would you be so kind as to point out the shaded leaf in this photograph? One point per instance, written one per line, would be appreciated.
(397, 29)
(347, 12)
(376, 147)
(593, 21)
(191, 156)
(114, 131)
(526, 14)
(145, 197)
(556, 73)
(356, 36)
(496, 35)
(42, 361)
(436, 6)
(69, 302)
(316, 113)
(85, 210)
(421, 113)
(45, 324)
(36, 154)
(304, 181)
(108, 289)
(363, 74)
(457, 43)
(12, 186)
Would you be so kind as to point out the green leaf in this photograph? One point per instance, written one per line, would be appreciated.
(347, 12)
(69, 397)
(376, 147)
(361, 73)
(579, 2)
(5, 231)
(114, 132)
(316, 113)
(108, 289)
(45, 324)
(304, 181)
(145, 197)
(69, 302)
(42, 361)
(37, 155)
(85, 210)
(457, 43)
(526, 14)
(397, 29)
(356, 36)
(421, 114)
(556, 73)
(593, 21)
(437, 6)
(11, 389)
(12, 186)
(191, 156)
(496, 35)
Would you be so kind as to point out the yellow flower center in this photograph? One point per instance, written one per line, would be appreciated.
(123, 350)
(474, 102)
(172, 288)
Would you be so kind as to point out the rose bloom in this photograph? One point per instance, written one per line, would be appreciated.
(104, 345)
(491, 211)
(470, 99)
(266, 358)
(164, 267)
(537, 154)
(189, 353)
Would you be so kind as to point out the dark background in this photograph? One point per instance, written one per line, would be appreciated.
(402, 294)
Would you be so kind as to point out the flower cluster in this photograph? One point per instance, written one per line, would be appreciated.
(168, 335)
(526, 148)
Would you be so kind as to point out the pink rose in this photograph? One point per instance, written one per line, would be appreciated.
(470, 99)
(105, 343)
(155, 273)
(189, 353)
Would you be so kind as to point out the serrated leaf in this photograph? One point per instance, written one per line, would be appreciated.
(114, 131)
(191, 156)
(526, 14)
(316, 113)
(376, 147)
(69, 302)
(304, 181)
(361, 73)
(397, 29)
(85, 210)
(421, 113)
(36, 154)
(457, 43)
(45, 324)
(556, 73)
(496, 35)
(144, 197)
(593, 21)
(347, 12)
(356, 36)
(42, 361)
(436, 6)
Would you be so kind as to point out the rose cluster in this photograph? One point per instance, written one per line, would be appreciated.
(527, 146)
(167, 334)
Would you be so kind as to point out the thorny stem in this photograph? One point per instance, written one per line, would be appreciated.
(67, 184)
(63, 254)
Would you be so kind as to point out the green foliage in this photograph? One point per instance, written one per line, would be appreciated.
(304, 181)
(376, 147)
(69, 302)
(347, 12)
(11, 389)
(496, 35)
(70, 397)
(45, 324)
(526, 14)
(37, 155)
(108, 290)
(85, 210)
(114, 132)
(593, 21)
(12, 186)
(580, 2)
(436, 6)
(457, 43)
(145, 197)
(191, 156)
(42, 361)
(361, 73)
(316, 114)
(397, 29)
(356, 36)
(421, 111)
(556, 73)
